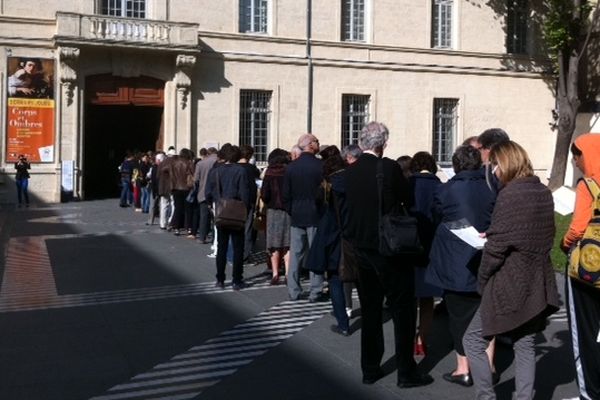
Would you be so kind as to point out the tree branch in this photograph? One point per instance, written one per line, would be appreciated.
(595, 16)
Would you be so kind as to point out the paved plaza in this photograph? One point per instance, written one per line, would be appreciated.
(94, 304)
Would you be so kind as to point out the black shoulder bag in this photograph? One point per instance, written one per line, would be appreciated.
(398, 231)
(229, 213)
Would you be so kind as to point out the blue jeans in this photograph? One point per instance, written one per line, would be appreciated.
(126, 194)
(22, 185)
(336, 290)
(146, 193)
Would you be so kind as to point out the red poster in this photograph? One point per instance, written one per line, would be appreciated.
(30, 110)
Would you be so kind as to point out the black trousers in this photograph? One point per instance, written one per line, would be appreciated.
(389, 277)
(192, 217)
(583, 308)
(461, 309)
(204, 222)
(237, 241)
(178, 221)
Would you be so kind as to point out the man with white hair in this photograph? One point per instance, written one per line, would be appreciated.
(153, 185)
(295, 152)
(380, 276)
(301, 185)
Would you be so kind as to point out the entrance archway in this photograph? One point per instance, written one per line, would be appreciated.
(121, 115)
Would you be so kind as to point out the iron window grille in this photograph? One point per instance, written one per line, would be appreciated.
(254, 16)
(516, 26)
(124, 8)
(355, 114)
(445, 118)
(353, 20)
(255, 112)
(441, 34)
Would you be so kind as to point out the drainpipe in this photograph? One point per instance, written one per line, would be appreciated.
(310, 66)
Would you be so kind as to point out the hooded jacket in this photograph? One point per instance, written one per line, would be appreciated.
(589, 144)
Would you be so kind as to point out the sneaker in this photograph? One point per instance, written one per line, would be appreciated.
(212, 255)
(239, 286)
(220, 285)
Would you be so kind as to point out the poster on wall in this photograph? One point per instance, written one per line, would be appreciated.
(30, 109)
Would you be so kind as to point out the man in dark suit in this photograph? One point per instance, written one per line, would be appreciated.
(301, 185)
(380, 276)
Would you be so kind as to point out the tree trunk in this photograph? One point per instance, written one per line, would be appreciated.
(566, 127)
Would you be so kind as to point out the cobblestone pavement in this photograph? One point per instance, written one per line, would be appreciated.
(94, 304)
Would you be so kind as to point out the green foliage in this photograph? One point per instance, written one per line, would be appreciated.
(559, 259)
(564, 25)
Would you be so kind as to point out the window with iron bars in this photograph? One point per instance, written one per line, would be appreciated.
(355, 114)
(516, 27)
(254, 16)
(353, 20)
(445, 118)
(124, 8)
(441, 27)
(255, 111)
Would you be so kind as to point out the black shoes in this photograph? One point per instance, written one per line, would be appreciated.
(415, 379)
(320, 298)
(220, 285)
(371, 379)
(338, 330)
(239, 286)
(460, 379)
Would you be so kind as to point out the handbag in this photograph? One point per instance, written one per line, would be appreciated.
(398, 231)
(584, 257)
(192, 195)
(229, 213)
(347, 268)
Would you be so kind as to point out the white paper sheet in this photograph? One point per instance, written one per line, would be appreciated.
(564, 200)
(470, 236)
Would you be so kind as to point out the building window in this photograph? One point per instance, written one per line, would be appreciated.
(124, 8)
(355, 114)
(255, 110)
(516, 27)
(441, 31)
(445, 116)
(353, 20)
(254, 16)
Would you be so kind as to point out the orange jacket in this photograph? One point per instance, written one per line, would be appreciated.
(589, 144)
(581, 216)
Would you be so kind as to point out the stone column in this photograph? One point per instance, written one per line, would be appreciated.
(183, 116)
(69, 141)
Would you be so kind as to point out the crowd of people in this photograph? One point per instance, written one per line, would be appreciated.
(321, 210)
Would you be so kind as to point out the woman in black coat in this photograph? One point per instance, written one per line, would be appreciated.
(229, 181)
(424, 184)
(464, 199)
(325, 253)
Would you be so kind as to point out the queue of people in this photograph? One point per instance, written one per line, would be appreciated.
(323, 208)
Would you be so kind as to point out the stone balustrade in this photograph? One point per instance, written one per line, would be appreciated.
(127, 31)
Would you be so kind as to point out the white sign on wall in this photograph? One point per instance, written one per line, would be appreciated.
(67, 175)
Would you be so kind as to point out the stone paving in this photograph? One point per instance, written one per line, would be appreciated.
(94, 304)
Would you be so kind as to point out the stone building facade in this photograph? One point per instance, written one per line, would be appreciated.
(148, 74)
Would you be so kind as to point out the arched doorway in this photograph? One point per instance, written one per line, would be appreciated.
(121, 115)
